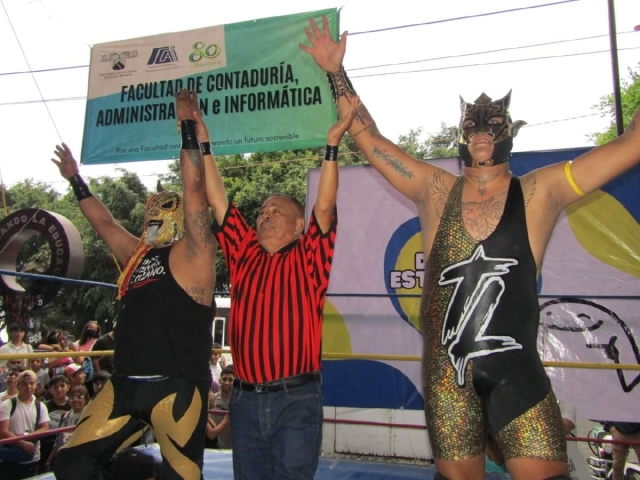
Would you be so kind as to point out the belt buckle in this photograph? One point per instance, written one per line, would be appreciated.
(260, 388)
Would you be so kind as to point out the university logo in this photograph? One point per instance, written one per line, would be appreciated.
(163, 56)
(118, 59)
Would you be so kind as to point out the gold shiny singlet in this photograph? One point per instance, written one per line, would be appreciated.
(452, 413)
(456, 415)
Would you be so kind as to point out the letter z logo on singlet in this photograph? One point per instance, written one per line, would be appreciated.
(478, 289)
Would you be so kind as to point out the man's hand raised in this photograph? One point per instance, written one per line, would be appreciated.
(327, 53)
(338, 129)
(67, 164)
(187, 108)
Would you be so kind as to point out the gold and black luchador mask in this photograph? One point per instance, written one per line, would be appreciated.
(163, 219)
(490, 117)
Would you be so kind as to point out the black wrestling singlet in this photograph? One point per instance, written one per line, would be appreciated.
(160, 329)
(479, 318)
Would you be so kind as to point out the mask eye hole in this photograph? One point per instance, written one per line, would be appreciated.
(168, 205)
(496, 121)
(468, 124)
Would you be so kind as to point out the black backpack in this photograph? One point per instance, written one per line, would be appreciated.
(14, 404)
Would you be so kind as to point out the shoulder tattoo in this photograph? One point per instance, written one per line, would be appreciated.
(439, 192)
(528, 183)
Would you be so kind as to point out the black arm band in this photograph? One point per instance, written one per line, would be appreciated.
(80, 188)
(340, 84)
(205, 148)
(189, 137)
(331, 153)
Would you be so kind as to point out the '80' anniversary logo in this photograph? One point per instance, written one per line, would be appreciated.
(203, 51)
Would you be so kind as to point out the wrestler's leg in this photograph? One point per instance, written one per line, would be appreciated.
(455, 422)
(178, 419)
(466, 469)
(103, 429)
(536, 469)
(534, 443)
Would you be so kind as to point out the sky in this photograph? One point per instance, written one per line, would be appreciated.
(554, 94)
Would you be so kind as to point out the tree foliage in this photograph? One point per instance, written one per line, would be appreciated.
(441, 144)
(630, 99)
(249, 180)
(74, 305)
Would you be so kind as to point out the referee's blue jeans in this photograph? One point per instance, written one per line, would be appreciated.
(276, 436)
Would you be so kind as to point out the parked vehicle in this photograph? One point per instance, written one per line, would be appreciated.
(221, 326)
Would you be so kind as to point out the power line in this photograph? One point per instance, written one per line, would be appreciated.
(521, 47)
(44, 70)
(49, 100)
(486, 52)
(466, 17)
(490, 63)
(548, 57)
(301, 159)
(562, 120)
(32, 72)
(15, 34)
(397, 28)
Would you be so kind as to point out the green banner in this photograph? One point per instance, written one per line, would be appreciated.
(258, 90)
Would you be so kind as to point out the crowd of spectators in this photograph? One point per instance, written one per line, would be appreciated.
(62, 387)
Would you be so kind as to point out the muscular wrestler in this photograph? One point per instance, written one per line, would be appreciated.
(163, 331)
(485, 233)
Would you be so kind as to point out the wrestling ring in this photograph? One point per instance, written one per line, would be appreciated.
(333, 464)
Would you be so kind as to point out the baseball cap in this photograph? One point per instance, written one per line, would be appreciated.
(72, 369)
(27, 373)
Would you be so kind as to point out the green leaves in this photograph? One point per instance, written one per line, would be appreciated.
(630, 99)
(125, 197)
(248, 179)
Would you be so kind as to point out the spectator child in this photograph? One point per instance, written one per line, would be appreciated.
(43, 377)
(78, 399)
(12, 383)
(76, 375)
(57, 407)
(18, 416)
(16, 343)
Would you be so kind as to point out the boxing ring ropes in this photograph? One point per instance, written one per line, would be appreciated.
(325, 355)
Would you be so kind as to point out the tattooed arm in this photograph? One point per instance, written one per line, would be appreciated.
(597, 167)
(194, 268)
(408, 175)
